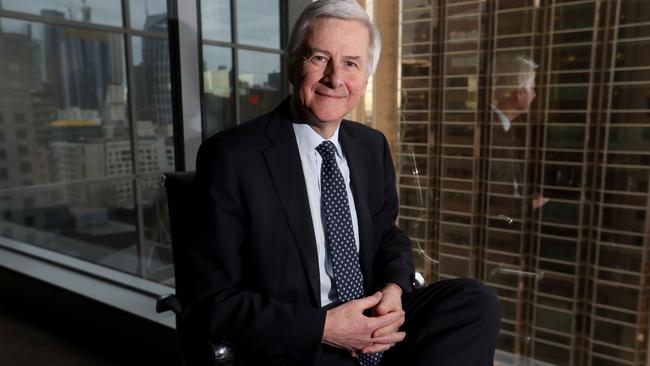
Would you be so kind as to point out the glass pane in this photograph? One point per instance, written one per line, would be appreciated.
(154, 118)
(218, 100)
(215, 20)
(555, 183)
(94, 222)
(88, 11)
(574, 16)
(157, 251)
(415, 32)
(66, 95)
(149, 15)
(260, 83)
(258, 23)
(65, 129)
(155, 135)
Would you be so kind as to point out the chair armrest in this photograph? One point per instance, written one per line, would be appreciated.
(168, 302)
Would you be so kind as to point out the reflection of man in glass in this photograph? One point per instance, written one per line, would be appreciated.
(299, 260)
(514, 92)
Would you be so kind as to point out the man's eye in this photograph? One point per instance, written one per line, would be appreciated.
(318, 59)
(351, 64)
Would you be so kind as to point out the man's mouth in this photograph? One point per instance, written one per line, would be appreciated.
(330, 93)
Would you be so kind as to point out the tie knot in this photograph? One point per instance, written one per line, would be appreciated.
(326, 149)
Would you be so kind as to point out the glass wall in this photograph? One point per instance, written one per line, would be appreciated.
(243, 69)
(545, 202)
(85, 130)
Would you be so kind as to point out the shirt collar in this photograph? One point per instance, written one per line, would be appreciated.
(308, 139)
(505, 122)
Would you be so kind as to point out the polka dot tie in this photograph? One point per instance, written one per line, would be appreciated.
(339, 235)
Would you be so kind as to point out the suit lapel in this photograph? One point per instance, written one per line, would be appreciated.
(358, 160)
(283, 161)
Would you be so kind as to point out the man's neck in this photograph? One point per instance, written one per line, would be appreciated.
(510, 111)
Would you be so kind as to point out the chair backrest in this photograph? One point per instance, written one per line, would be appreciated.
(181, 203)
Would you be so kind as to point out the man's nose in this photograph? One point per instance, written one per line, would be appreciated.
(333, 77)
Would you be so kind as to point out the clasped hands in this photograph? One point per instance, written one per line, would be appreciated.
(347, 327)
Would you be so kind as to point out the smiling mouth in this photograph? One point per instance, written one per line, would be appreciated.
(330, 93)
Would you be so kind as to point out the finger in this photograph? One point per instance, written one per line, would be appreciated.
(388, 339)
(385, 307)
(384, 320)
(368, 302)
(376, 347)
(389, 329)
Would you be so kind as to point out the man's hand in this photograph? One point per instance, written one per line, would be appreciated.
(539, 201)
(390, 303)
(347, 327)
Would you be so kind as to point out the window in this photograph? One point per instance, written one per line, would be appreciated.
(71, 114)
(25, 168)
(19, 117)
(496, 175)
(243, 75)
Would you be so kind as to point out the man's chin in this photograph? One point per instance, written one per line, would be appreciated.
(328, 117)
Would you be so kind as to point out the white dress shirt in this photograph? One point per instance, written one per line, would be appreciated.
(311, 161)
(505, 123)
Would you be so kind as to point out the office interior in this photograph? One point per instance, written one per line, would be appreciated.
(99, 98)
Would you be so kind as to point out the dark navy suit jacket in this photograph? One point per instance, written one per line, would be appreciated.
(256, 261)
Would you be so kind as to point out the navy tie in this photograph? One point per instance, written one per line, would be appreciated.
(339, 235)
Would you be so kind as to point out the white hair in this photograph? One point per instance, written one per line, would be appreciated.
(513, 72)
(339, 9)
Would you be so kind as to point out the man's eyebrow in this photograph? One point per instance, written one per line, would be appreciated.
(353, 58)
(329, 54)
(320, 50)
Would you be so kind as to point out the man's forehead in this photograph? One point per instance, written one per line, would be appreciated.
(326, 34)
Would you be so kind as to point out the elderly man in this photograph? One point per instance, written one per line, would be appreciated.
(299, 259)
(513, 94)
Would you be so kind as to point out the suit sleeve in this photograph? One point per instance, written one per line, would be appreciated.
(221, 307)
(395, 258)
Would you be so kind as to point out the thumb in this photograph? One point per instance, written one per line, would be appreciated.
(370, 301)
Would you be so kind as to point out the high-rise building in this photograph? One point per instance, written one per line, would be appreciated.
(82, 82)
(155, 55)
(572, 275)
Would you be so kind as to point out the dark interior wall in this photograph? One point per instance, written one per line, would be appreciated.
(44, 325)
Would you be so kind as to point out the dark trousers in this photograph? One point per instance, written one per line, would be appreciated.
(448, 323)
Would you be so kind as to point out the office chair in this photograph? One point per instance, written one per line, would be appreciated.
(180, 203)
(194, 350)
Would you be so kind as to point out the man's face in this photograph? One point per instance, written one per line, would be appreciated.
(334, 71)
(526, 94)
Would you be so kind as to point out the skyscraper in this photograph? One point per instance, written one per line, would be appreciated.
(155, 55)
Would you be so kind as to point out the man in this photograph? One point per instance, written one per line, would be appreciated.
(513, 94)
(299, 259)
